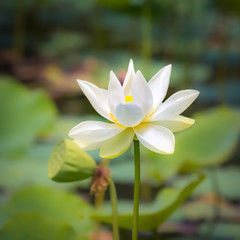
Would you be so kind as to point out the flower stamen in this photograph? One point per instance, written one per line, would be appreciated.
(128, 98)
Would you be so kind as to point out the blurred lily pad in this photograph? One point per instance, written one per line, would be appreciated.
(209, 142)
(205, 206)
(38, 227)
(25, 115)
(123, 169)
(53, 203)
(227, 178)
(29, 169)
(223, 231)
(151, 215)
(212, 140)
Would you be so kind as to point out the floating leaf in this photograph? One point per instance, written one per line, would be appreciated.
(38, 227)
(223, 231)
(228, 178)
(209, 142)
(151, 216)
(30, 169)
(205, 207)
(52, 203)
(25, 115)
(123, 169)
(69, 163)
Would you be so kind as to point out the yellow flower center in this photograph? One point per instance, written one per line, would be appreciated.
(129, 98)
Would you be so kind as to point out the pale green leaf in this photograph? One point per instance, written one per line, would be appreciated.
(30, 169)
(212, 140)
(25, 115)
(223, 231)
(204, 209)
(36, 226)
(227, 177)
(209, 142)
(52, 203)
(153, 215)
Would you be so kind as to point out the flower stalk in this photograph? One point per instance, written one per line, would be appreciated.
(113, 196)
(136, 190)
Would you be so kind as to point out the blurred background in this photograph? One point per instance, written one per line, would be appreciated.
(46, 44)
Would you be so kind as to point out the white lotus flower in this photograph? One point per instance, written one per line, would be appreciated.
(136, 108)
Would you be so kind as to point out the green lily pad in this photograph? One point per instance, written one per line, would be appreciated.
(31, 166)
(123, 169)
(209, 142)
(151, 215)
(30, 169)
(228, 178)
(212, 140)
(204, 209)
(53, 203)
(36, 226)
(223, 231)
(25, 115)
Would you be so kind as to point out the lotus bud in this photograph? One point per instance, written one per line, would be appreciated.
(69, 163)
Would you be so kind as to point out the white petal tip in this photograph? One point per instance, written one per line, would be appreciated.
(112, 75)
(168, 69)
(105, 156)
(70, 134)
(80, 82)
(171, 151)
(195, 93)
(191, 92)
(130, 65)
(139, 73)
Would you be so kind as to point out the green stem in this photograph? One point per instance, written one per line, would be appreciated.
(136, 190)
(113, 196)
